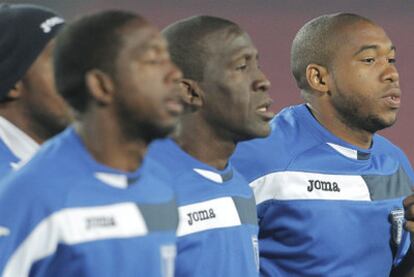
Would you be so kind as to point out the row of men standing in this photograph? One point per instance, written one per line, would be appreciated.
(109, 196)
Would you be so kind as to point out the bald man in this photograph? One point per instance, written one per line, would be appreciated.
(329, 190)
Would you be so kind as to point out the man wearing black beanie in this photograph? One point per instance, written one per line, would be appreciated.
(31, 111)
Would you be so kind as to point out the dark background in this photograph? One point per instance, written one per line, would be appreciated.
(272, 24)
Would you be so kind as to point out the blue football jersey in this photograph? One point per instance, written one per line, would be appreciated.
(217, 232)
(7, 159)
(16, 147)
(325, 207)
(64, 214)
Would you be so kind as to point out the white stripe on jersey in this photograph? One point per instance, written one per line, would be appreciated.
(211, 214)
(115, 180)
(347, 152)
(211, 175)
(297, 185)
(72, 226)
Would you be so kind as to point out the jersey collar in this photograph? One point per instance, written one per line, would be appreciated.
(344, 148)
(19, 143)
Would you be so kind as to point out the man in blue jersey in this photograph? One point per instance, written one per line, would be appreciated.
(329, 191)
(31, 110)
(226, 99)
(88, 203)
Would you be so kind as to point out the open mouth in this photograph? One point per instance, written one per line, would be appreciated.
(393, 101)
(393, 98)
(174, 106)
(265, 112)
(263, 109)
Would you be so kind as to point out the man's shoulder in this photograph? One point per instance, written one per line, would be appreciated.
(383, 145)
(289, 138)
(156, 169)
(48, 172)
(287, 130)
(169, 155)
(34, 182)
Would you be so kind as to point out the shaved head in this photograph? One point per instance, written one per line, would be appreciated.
(316, 43)
(187, 43)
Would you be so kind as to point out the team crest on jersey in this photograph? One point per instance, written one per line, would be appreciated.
(168, 253)
(255, 243)
(397, 221)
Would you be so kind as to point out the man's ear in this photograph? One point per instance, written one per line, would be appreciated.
(191, 94)
(16, 91)
(317, 77)
(100, 86)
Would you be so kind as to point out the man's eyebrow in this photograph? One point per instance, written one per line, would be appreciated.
(149, 46)
(373, 46)
(243, 54)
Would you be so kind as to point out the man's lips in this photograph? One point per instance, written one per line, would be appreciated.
(264, 110)
(174, 106)
(393, 98)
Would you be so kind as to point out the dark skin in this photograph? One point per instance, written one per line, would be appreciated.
(34, 105)
(143, 95)
(231, 104)
(358, 95)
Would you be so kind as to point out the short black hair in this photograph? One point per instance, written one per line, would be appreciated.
(316, 42)
(91, 42)
(187, 45)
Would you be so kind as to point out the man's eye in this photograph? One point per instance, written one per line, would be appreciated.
(368, 60)
(241, 67)
(153, 62)
(392, 60)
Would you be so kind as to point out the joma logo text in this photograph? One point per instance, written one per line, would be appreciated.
(200, 216)
(99, 222)
(323, 185)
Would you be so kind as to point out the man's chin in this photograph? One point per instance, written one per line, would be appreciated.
(379, 125)
(160, 132)
(262, 132)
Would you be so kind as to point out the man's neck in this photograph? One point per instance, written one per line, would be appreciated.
(357, 137)
(204, 143)
(108, 144)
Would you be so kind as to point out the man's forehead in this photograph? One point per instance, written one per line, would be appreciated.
(156, 42)
(374, 47)
(144, 37)
(363, 36)
(231, 45)
(244, 52)
(361, 29)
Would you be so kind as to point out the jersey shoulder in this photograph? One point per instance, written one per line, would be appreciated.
(289, 138)
(383, 146)
(171, 157)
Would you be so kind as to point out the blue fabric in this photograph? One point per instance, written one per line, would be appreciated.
(227, 251)
(61, 177)
(322, 237)
(6, 158)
